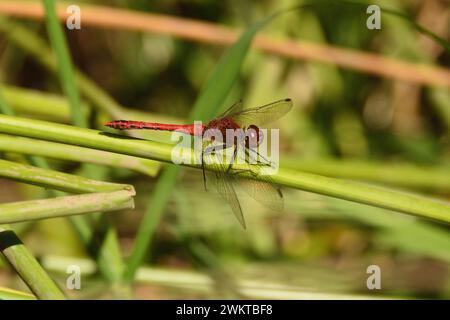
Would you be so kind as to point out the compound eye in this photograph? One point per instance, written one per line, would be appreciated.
(254, 136)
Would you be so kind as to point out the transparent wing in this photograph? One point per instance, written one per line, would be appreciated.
(235, 108)
(263, 192)
(262, 115)
(226, 190)
(224, 182)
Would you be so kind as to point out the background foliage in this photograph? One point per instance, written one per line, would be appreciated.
(354, 120)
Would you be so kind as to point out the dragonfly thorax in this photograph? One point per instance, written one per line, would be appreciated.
(251, 136)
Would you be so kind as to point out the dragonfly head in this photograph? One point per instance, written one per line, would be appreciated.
(253, 136)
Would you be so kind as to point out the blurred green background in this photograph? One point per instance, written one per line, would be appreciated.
(344, 123)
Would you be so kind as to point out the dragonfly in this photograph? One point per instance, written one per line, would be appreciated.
(250, 121)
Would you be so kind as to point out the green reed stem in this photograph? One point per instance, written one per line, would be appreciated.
(73, 153)
(65, 206)
(376, 196)
(26, 266)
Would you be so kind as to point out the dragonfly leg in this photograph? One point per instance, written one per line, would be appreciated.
(243, 171)
(267, 161)
(223, 147)
(203, 170)
(254, 174)
(230, 165)
(206, 151)
(209, 150)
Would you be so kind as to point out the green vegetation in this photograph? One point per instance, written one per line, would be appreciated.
(364, 160)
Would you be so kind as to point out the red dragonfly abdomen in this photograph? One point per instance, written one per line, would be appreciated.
(130, 124)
